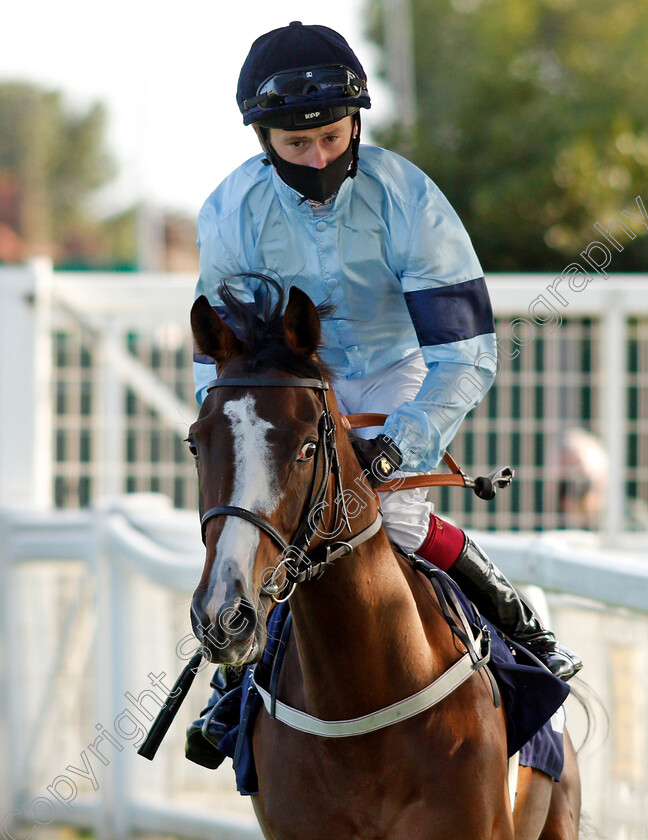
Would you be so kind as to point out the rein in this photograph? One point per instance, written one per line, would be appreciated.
(296, 564)
(298, 567)
(484, 486)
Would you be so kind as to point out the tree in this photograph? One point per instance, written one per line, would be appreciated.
(532, 118)
(51, 161)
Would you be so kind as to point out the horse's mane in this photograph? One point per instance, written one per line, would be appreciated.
(259, 326)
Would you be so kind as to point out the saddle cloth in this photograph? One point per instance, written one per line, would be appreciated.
(531, 695)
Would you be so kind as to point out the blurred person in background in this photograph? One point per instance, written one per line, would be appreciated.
(580, 471)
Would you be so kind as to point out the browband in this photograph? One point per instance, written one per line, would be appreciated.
(263, 382)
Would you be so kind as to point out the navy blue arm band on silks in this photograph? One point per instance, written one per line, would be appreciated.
(451, 313)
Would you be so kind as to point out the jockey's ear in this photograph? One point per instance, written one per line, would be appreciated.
(262, 136)
(301, 322)
(212, 335)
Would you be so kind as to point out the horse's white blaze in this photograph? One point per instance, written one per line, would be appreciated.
(254, 488)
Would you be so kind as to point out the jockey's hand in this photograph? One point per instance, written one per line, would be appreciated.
(378, 457)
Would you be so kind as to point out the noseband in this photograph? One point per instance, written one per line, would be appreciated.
(297, 565)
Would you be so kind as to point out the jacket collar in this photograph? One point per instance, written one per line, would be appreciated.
(290, 199)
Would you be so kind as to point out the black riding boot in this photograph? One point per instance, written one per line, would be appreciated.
(499, 602)
(220, 715)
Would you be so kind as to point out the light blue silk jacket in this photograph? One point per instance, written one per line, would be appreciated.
(394, 259)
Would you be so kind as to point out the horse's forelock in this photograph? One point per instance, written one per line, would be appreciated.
(260, 327)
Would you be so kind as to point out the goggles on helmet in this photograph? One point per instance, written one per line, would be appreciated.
(293, 86)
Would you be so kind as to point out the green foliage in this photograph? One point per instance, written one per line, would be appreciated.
(121, 234)
(55, 159)
(533, 119)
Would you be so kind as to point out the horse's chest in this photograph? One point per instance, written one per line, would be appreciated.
(369, 788)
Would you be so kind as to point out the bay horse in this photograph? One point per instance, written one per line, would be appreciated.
(275, 473)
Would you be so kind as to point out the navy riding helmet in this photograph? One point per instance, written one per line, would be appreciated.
(301, 77)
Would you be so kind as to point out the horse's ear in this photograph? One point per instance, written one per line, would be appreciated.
(301, 322)
(212, 335)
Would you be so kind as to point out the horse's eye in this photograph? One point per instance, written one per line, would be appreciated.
(192, 446)
(307, 451)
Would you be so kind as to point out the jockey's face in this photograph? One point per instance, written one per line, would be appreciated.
(316, 147)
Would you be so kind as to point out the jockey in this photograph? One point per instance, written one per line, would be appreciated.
(412, 335)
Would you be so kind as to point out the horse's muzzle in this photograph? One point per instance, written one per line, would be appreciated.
(231, 637)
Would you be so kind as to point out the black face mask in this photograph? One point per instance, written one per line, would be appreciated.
(315, 184)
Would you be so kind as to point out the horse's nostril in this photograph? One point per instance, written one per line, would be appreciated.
(199, 618)
(226, 632)
(236, 618)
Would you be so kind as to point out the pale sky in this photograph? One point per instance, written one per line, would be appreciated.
(167, 72)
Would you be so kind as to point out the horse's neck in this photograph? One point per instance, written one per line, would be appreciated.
(366, 622)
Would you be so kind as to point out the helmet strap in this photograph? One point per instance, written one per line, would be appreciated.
(355, 145)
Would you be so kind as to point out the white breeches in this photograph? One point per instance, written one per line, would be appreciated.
(406, 512)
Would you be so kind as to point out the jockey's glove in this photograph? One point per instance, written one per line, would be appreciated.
(379, 457)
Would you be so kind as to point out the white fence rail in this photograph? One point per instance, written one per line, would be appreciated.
(98, 395)
(95, 605)
(95, 398)
(72, 623)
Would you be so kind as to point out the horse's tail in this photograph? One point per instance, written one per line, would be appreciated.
(588, 831)
(595, 714)
(593, 708)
